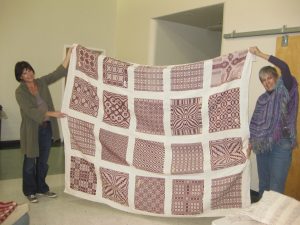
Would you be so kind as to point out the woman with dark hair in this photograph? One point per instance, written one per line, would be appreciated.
(273, 124)
(38, 126)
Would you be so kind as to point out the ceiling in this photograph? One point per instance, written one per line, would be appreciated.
(210, 17)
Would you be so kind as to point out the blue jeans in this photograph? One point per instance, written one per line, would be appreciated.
(35, 169)
(273, 167)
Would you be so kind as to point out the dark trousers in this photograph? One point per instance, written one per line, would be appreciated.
(35, 169)
(273, 167)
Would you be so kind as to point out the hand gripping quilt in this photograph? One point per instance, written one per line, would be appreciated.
(158, 140)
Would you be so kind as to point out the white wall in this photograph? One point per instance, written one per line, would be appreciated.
(134, 24)
(36, 31)
(178, 43)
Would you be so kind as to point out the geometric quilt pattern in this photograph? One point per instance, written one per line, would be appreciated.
(149, 194)
(84, 97)
(114, 185)
(87, 61)
(186, 116)
(148, 78)
(227, 68)
(187, 158)
(116, 109)
(115, 72)
(149, 116)
(187, 197)
(224, 110)
(226, 192)
(149, 155)
(158, 140)
(82, 136)
(114, 147)
(187, 77)
(226, 152)
(83, 176)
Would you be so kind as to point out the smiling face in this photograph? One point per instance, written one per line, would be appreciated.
(27, 75)
(268, 80)
(24, 71)
(268, 77)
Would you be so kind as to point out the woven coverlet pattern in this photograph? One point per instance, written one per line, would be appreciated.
(158, 140)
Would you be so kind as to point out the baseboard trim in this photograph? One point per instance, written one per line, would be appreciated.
(13, 144)
(9, 144)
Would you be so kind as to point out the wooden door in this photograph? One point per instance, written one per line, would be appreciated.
(291, 55)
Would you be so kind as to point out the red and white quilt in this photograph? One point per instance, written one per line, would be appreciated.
(158, 140)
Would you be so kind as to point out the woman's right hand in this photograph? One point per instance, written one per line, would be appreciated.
(249, 149)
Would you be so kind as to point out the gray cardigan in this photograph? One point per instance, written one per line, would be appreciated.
(31, 116)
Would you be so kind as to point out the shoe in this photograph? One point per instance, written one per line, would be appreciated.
(48, 194)
(32, 198)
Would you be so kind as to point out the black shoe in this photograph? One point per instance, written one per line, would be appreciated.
(32, 198)
(49, 194)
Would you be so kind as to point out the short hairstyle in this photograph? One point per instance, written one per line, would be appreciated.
(19, 68)
(268, 70)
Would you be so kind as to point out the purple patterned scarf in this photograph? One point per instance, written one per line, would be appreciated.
(274, 117)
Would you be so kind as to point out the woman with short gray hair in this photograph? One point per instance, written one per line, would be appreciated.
(273, 124)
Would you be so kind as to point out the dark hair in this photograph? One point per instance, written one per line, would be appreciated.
(19, 68)
(268, 70)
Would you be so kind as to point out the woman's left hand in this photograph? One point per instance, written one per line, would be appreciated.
(254, 50)
(56, 114)
(67, 58)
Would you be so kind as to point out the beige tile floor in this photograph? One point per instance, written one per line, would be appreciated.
(70, 210)
(67, 209)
